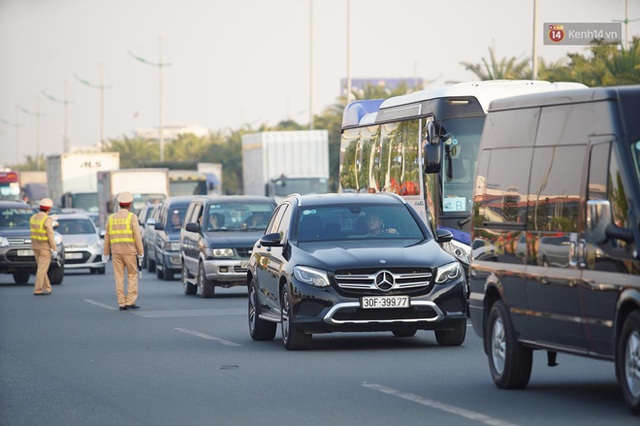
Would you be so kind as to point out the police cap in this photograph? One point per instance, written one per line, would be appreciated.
(46, 203)
(125, 198)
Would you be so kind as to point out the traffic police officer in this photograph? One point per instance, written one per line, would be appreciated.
(122, 241)
(43, 245)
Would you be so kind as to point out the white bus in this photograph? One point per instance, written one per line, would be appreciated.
(423, 146)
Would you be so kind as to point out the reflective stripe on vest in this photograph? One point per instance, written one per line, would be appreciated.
(38, 231)
(121, 235)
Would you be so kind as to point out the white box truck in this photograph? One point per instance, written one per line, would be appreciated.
(280, 163)
(72, 177)
(148, 185)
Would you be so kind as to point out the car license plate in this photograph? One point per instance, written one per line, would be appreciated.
(73, 255)
(377, 302)
(27, 252)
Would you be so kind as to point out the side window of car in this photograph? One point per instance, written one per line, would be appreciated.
(275, 219)
(554, 192)
(506, 194)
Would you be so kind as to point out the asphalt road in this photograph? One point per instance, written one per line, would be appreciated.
(73, 358)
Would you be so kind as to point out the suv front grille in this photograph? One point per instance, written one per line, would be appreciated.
(385, 280)
(20, 241)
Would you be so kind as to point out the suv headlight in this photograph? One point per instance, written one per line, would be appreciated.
(314, 277)
(4, 242)
(172, 246)
(448, 272)
(459, 250)
(219, 252)
(58, 238)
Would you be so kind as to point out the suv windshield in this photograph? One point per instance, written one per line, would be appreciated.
(351, 222)
(15, 218)
(237, 216)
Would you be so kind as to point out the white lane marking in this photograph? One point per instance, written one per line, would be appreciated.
(190, 313)
(176, 313)
(207, 337)
(102, 305)
(471, 415)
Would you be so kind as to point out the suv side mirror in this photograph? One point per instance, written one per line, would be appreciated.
(158, 226)
(192, 227)
(443, 235)
(271, 240)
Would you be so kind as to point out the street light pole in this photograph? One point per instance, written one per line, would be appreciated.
(311, 124)
(16, 125)
(534, 59)
(160, 65)
(65, 102)
(348, 51)
(36, 114)
(101, 87)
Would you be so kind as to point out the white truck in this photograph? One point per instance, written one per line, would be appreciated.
(280, 163)
(148, 185)
(72, 177)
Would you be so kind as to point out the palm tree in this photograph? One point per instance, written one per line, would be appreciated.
(507, 69)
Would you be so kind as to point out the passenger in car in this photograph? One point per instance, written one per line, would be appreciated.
(216, 221)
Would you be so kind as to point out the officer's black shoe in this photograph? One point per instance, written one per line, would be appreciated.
(132, 307)
(123, 308)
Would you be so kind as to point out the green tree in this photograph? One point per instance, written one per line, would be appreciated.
(133, 152)
(504, 69)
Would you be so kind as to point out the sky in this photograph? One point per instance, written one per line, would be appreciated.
(94, 64)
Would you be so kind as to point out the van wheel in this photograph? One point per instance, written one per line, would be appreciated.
(21, 277)
(453, 337)
(292, 337)
(628, 361)
(187, 286)
(207, 289)
(259, 329)
(509, 361)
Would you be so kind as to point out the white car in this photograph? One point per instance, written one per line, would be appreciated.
(82, 242)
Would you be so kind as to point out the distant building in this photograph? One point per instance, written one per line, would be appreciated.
(171, 132)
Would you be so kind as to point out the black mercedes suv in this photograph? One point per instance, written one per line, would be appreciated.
(351, 263)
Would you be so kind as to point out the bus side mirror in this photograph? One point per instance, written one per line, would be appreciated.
(432, 154)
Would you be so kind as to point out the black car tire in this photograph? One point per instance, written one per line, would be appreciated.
(151, 265)
(187, 286)
(453, 337)
(21, 277)
(292, 337)
(259, 329)
(510, 362)
(159, 273)
(628, 361)
(56, 275)
(207, 289)
(101, 271)
(405, 332)
(167, 274)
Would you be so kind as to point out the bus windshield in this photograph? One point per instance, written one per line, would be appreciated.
(459, 164)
